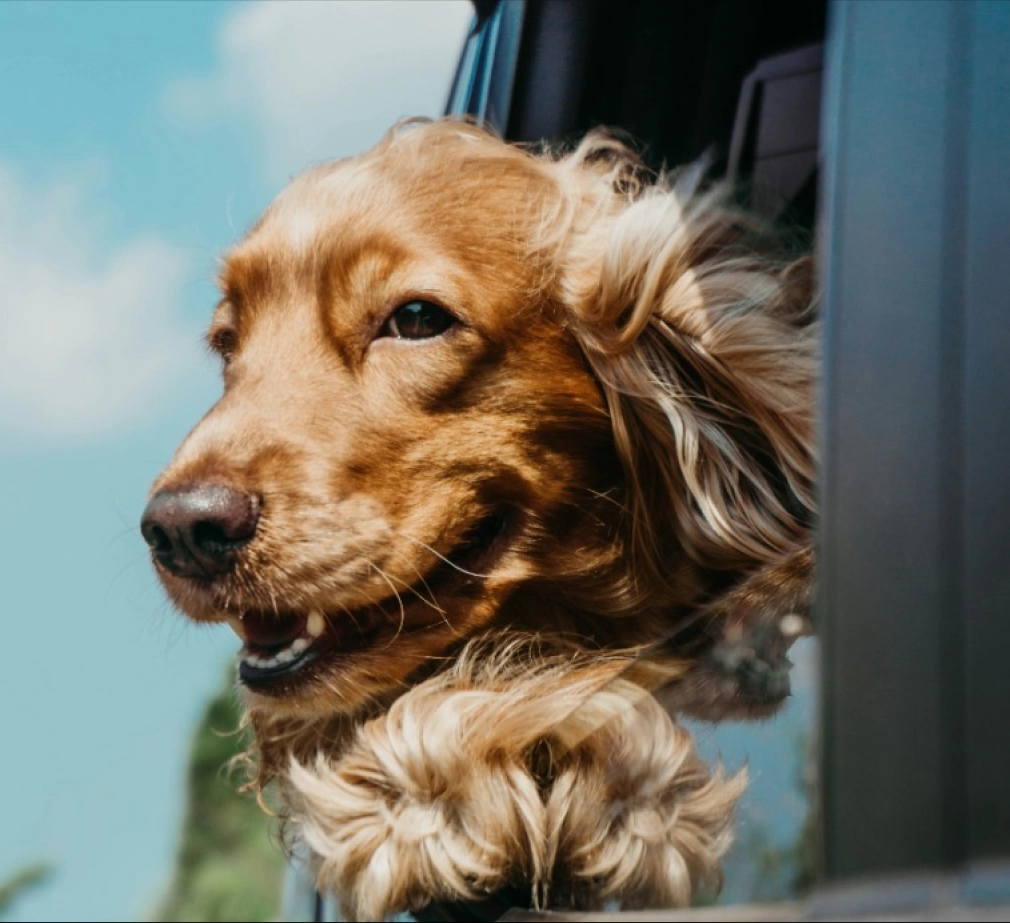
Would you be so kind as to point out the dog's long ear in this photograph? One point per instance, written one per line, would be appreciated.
(701, 335)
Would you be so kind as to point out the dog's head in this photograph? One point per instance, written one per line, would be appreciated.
(470, 388)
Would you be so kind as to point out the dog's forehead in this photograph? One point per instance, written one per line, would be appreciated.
(383, 221)
(323, 214)
(334, 196)
(441, 185)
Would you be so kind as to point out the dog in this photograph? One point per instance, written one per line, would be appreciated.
(514, 464)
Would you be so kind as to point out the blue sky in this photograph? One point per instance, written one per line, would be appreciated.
(136, 142)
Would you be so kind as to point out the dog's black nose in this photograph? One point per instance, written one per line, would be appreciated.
(196, 532)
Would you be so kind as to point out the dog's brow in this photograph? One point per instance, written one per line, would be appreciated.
(225, 313)
(244, 276)
(364, 261)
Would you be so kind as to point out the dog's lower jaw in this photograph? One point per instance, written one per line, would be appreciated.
(557, 776)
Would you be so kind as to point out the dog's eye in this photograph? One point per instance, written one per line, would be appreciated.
(417, 320)
(224, 342)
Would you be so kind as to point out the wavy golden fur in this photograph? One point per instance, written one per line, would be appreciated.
(589, 487)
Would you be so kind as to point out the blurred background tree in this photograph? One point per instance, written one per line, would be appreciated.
(24, 879)
(229, 865)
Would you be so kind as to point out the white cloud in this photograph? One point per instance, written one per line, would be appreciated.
(88, 337)
(324, 80)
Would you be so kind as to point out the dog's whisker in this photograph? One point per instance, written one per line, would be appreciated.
(442, 557)
(348, 613)
(399, 601)
(430, 601)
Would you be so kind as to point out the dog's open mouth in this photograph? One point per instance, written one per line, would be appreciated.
(280, 648)
(279, 645)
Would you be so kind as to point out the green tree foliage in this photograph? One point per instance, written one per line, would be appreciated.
(24, 879)
(228, 866)
(777, 871)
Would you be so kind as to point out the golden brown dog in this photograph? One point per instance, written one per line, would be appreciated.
(508, 443)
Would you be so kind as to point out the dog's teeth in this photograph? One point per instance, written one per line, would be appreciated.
(315, 624)
(237, 626)
(286, 655)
